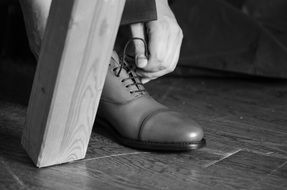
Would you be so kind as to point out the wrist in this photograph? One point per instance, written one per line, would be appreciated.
(162, 2)
(163, 9)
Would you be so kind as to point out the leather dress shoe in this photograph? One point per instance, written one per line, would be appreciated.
(136, 120)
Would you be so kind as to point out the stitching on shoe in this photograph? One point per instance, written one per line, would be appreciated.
(103, 99)
(147, 118)
(121, 138)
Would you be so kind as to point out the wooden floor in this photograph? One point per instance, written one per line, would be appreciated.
(245, 121)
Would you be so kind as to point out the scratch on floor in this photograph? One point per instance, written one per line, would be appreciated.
(212, 151)
(276, 169)
(260, 152)
(114, 155)
(226, 156)
(17, 179)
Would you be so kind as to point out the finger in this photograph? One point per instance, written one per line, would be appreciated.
(140, 49)
(173, 49)
(160, 58)
(162, 46)
(173, 62)
(173, 55)
(158, 38)
(176, 54)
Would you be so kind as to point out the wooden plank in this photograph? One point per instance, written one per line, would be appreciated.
(69, 78)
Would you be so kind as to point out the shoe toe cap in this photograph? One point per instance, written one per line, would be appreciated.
(171, 127)
(195, 134)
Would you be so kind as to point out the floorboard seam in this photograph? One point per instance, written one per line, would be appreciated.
(223, 158)
(15, 177)
(270, 154)
(276, 169)
(114, 155)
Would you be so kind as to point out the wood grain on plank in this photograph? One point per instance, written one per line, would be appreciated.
(69, 78)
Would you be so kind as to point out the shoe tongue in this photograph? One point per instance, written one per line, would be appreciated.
(116, 60)
(115, 63)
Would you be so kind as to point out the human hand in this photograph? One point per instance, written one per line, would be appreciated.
(165, 39)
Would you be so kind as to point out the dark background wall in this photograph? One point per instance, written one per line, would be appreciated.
(13, 41)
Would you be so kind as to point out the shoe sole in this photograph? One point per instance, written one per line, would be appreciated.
(150, 145)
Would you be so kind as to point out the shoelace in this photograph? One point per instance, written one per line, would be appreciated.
(124, 65)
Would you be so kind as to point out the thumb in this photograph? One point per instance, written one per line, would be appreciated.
(140, 54)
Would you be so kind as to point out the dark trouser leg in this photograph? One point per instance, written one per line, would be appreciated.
(219, 36)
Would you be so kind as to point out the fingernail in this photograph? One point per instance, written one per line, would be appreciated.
(141, 61)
